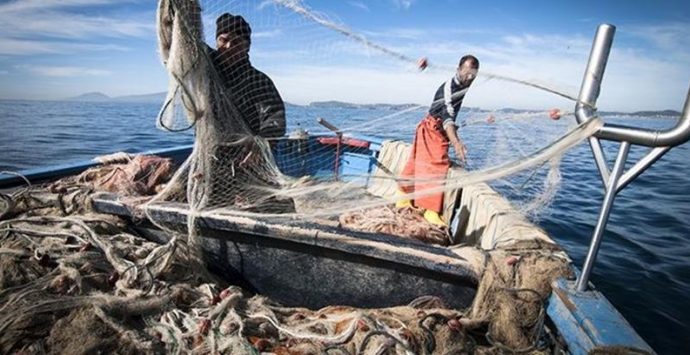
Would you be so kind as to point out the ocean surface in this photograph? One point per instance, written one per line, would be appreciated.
(643, 265)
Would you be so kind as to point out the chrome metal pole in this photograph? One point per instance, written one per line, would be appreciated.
(589, 91)
(598, 56)
(599, 159)
(642, 165)
(610, 195)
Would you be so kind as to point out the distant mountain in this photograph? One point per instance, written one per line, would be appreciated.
(380, 106)
(508, 110)
(158, 97)
(90, 97)
(101, 97)
(334, 104)
(290, 105)
(348, 105)
(664, 113)
(654, 114)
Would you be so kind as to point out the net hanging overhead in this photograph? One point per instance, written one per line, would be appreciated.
(217, 54)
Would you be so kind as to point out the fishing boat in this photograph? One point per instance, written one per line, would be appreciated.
(315, 263)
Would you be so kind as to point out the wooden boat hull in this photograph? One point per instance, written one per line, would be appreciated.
(311, 265)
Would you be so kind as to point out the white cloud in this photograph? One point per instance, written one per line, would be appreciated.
(403, 4)
(50, 19)
(672, 39)
(410, 33)
(400, 34)
(31, 47)
(267, 34)
(65, 25)
(359, 5)
(304, 84)
(32, 27)
(18, 6)
(262, 5)
(64, 71)
(634, 80)
(4, 72)
(402, 85)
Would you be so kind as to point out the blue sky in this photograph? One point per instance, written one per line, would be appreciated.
(52, 49)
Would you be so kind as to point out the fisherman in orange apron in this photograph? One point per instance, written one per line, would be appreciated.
(428, 163)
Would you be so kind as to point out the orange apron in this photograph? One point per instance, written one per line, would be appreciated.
(428, 164)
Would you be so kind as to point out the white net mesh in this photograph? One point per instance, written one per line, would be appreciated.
(243, 162)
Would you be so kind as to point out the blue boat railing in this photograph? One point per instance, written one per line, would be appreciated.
(314, 155)
(48, 173)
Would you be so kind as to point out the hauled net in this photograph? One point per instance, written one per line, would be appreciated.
(240, 164)
(284, 66)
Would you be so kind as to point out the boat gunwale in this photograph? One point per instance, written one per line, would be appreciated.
(405, 252)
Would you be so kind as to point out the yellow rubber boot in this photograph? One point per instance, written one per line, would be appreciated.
(434, 218)
(402, 203)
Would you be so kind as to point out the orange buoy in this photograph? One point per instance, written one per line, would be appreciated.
(422, 63)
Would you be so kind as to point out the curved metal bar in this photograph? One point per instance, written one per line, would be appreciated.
(668, 138)
(585, 109)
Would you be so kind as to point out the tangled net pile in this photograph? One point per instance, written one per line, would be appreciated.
(76, 281)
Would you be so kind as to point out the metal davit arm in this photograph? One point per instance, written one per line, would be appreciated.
(668, 138)
(616, 180)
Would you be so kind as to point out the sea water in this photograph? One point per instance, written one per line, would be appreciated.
(643, 265)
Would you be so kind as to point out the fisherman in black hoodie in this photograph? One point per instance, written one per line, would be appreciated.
(251, 91)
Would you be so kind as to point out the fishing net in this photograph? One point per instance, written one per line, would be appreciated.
(239, 162)
(80, 281)
(75, 281)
